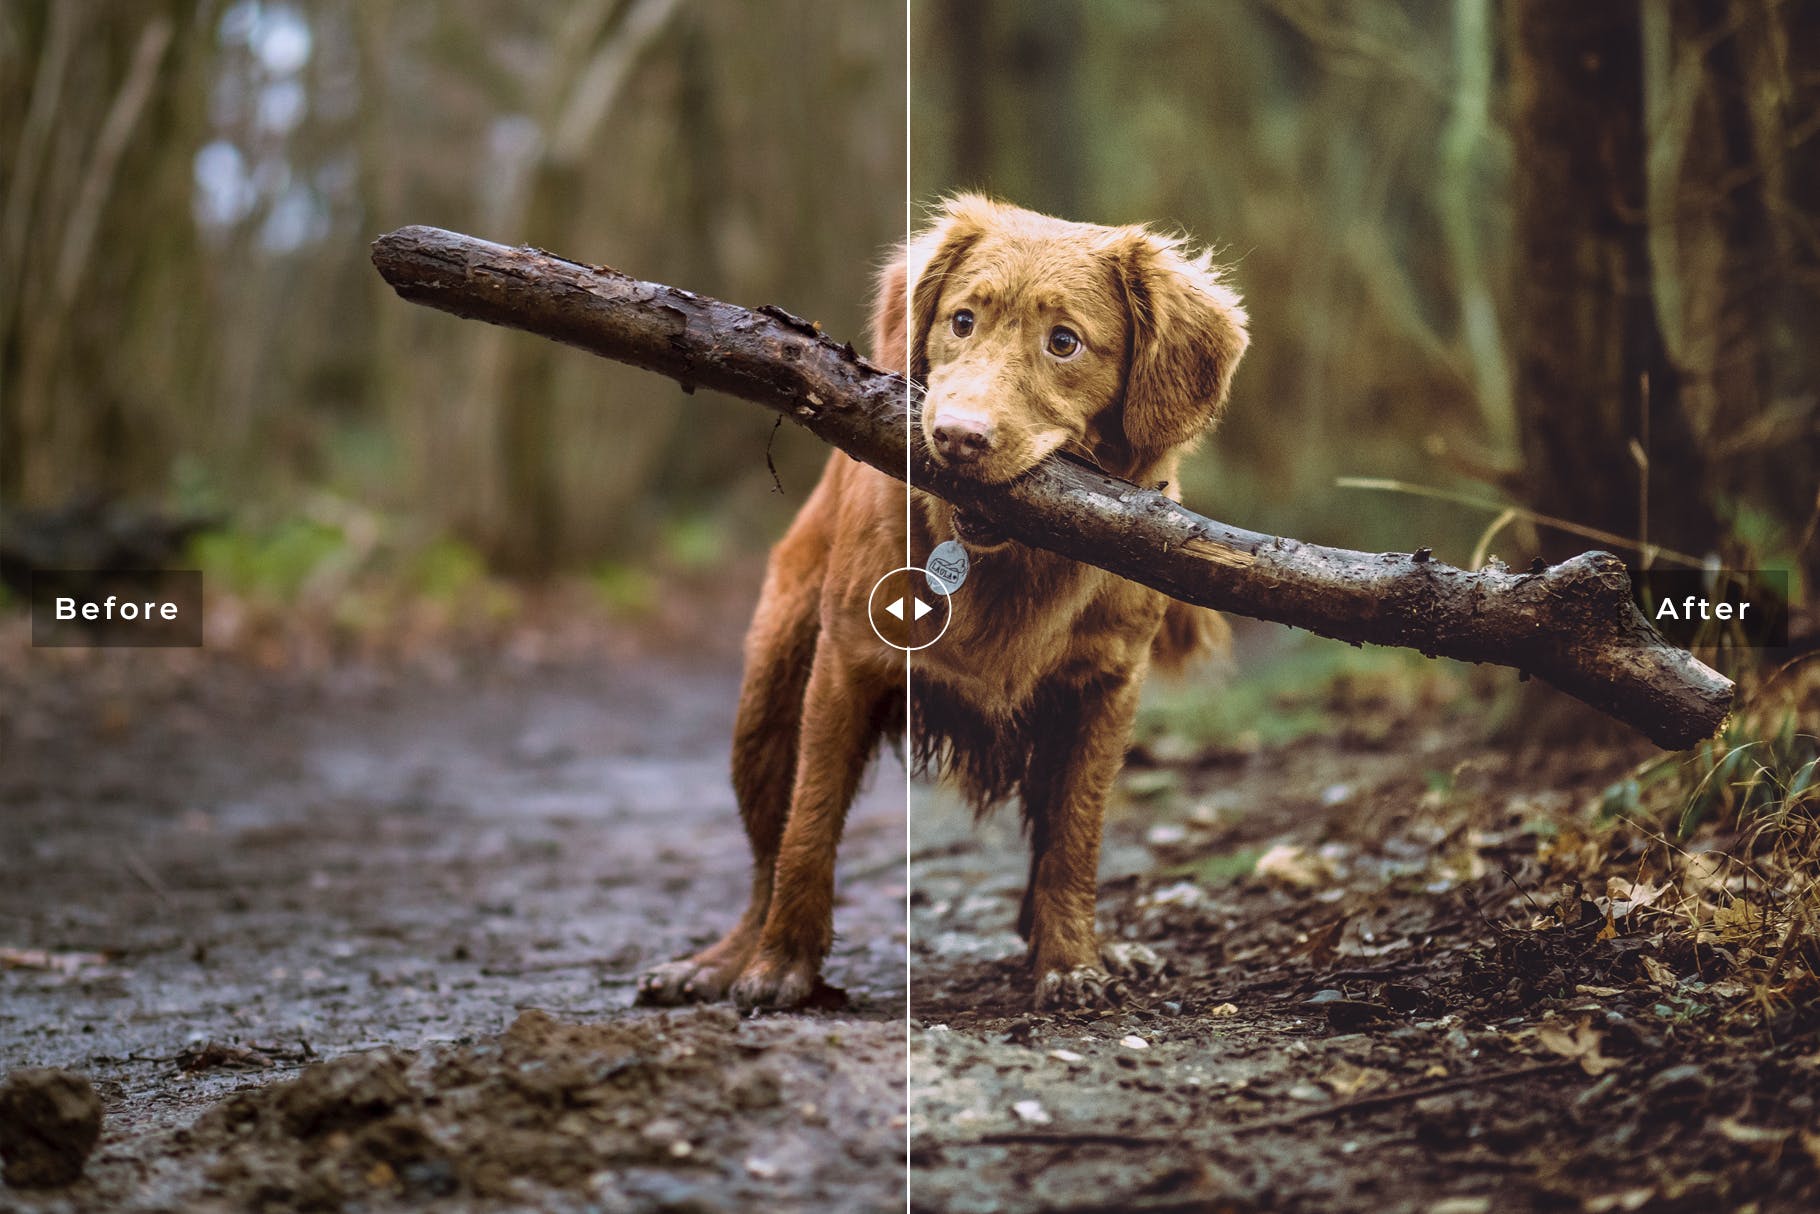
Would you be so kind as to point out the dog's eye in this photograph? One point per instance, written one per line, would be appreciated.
(962, 324)
(1064, 342)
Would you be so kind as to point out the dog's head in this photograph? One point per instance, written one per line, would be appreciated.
(1034, 335)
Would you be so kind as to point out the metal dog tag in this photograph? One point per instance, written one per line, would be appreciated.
(947, 567)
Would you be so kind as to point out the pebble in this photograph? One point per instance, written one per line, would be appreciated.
(1182, 893)
(1032, 1111)
(1166, 835)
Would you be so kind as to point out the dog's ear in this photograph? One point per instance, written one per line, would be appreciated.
(1187, 335)
(932, 256)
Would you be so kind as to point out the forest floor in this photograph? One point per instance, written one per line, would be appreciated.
(1401, 971)
(362, 933)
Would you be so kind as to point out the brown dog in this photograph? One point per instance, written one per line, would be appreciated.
(1032, 335)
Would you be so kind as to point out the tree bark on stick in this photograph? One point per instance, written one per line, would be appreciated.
(1572, 624)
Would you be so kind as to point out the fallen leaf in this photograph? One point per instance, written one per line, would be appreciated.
(1622, 897)
(1349, 1079)
(1320, 944)
(1740, 920)
(208, 1055)
(1761, 1137)
(1580, 1043)
(1293, 866)
(1705, 871)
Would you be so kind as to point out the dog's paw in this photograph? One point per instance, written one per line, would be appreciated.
(774, 982)
(1130, 960)
(1084, 986)
(678, 982)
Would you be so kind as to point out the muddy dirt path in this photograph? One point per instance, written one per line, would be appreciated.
(366, 939)
(235, 876)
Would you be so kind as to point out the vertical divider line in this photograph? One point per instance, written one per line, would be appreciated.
(909, 658)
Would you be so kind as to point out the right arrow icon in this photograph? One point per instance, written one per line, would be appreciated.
(918, 611)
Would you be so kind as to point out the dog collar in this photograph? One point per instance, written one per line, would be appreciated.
(968, 529)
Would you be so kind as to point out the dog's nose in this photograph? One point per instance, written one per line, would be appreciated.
(961, 438)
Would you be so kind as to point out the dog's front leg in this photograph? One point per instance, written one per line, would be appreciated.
(840, 724)
(1078, 745)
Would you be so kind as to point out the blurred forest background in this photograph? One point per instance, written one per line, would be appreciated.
(188, 315)
(1552, 255)
(1539, 254)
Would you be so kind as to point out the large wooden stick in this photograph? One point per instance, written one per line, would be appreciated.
(1571, 624)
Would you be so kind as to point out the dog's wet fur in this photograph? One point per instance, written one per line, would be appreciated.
(1032, 335)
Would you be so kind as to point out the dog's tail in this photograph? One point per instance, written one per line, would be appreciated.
(1189, 636)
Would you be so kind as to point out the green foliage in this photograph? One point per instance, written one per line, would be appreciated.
(1765, 539)
(365, 576)
(1151, 784)
(447, 569)
(452, 574)
(276, 561)
(1222, 869)
(628, 589)
(1761, 770)
(695, 542)
(1312, 686)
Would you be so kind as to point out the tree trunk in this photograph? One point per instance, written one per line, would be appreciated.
(1799, 355)
(1591, 371)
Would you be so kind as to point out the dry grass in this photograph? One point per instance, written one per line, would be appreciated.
(1726, 840)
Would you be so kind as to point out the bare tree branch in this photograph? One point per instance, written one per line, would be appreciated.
(110, 144)
(1572, 624)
